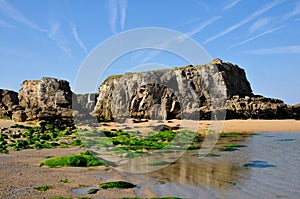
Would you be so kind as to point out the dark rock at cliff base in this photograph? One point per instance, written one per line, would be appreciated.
(48, 100)
(83, 105)
(257, 107)
(8, 102)
(295, 111)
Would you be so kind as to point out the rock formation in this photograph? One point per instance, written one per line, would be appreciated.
(8, 102)
(172, 93)
(47, 100)
(191, 92)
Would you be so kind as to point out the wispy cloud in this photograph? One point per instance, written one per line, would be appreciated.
(78, 40)
(294, 12)
(297, 19)
(181, 38)
(203, 5)
(276, 50)
(56, 35)
(231, 4)
(257, 36)
(13, 13)
(202, 26)
(4, 24)
(123, 8)
(117, 11)
(259, 24)
(253, 16)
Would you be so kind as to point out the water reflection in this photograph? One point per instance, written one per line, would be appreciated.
(219, 170)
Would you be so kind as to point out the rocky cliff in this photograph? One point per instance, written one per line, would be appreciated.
(191, 91)
(8, 102)
(48, 100)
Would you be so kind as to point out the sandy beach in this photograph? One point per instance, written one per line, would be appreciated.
(21, 174)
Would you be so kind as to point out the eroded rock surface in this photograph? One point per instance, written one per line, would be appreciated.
(191, 92)
(8, 102)
(48, 100)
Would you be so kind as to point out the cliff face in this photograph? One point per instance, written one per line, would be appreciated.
(172, 93)
(8, 102)
(191, 92)
(47, 99)
(200, 90)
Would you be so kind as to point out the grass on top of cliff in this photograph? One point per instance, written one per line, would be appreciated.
(112, 77)
(85, 159)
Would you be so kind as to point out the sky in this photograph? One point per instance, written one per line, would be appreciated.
(53, 38)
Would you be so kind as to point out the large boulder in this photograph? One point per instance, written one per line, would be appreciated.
(8, 102)
(48, 100)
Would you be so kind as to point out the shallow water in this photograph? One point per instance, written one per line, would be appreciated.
(267, 166)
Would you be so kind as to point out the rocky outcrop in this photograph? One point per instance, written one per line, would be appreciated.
(295, 109)
(257, 107)
(8, 102)
(46, 100)
(191, 91)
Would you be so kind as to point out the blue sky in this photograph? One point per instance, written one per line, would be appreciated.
(52, 38)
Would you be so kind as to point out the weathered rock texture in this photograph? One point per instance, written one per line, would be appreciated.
(8, 102)
(192, 92)
(83, 105)
(257, 107)
(48, 100)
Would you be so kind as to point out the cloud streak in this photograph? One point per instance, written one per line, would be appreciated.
(56, 35)
(275, 50)
(3, 24)
(231, 4)
(117, 14)
(202, 26)
(294, 12)
(13, 13)
(78, 40)
(253, 16)
(257, 36)
(181, 38)
(259, 24)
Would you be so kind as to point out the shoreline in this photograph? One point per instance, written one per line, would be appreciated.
(249, 125)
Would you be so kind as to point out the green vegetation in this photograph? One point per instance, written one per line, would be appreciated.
(158, 163)
(82, 160)
(25, 137)
(93, 191)
(43, 188)
(3, 144)
(5, 118)
(229, 134)
(65, 181)
(111, 78)
(135, 144)
(230, 147)
(118, 184)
